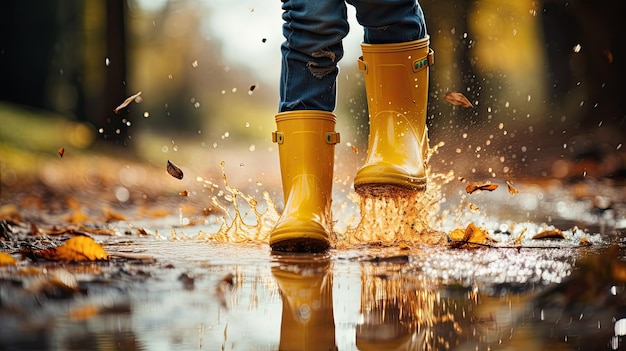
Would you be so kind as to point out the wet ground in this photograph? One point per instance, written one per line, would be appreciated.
(186, 275)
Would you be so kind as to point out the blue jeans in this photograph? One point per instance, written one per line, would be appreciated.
(314, 30)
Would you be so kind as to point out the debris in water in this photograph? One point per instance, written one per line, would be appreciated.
(252, 87)
(61, 151)
(184, 193)
(549, 234)
(174, 170)
(457, 99)
(473, 187)
(126, 102)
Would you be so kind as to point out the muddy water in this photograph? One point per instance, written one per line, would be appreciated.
(391, 283)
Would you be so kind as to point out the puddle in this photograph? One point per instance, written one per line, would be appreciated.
(393, 282)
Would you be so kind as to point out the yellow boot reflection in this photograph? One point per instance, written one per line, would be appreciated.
(390, 314)
(305, 284)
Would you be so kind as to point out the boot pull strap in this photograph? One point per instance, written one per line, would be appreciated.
(429, 60)
(330, 137)
(333, 138)
(278, 137)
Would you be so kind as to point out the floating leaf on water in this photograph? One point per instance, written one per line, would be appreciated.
(61, 152)
(126, 102)
(7, 260)
(174, 170)
(470, 235)
(512, 190)
(457, 99)
(76, 249)
(549, 234)
(472, 187)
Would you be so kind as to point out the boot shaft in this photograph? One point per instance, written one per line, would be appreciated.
(396, 79)
(306, 146)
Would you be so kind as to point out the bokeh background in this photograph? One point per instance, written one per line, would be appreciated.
(547, 80)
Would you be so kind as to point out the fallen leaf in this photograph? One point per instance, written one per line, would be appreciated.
(76, 249)
(470, 235)
(512, 190)
(549, 234)
(174, 170)
(472, 187)
(61, 151)
(7, 260)
(457, 99)
(126, 102)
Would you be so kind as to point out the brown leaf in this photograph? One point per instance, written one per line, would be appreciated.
(457, 99)
(472, 187)
(470, 235)
(549, 234)
(126, 102)
(512, 190)
(76, 249)
(61, 152)
(174, 170)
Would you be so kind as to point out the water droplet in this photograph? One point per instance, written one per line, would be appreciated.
(107, 61)
(577, 48)
(146, 114)
(252, 148)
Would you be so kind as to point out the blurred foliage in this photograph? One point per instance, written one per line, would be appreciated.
(546, 77)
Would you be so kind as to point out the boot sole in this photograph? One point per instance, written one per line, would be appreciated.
(308, 245)
(389, 190)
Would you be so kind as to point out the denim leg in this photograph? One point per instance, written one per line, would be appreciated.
(390, 21)
(314, 30)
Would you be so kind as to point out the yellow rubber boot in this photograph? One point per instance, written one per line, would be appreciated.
(396, 83)
(306, 147)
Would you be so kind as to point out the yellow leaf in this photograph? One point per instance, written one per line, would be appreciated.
(76, 249)
(6, 259)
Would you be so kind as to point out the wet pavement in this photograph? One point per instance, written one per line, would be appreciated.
(181, 283)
